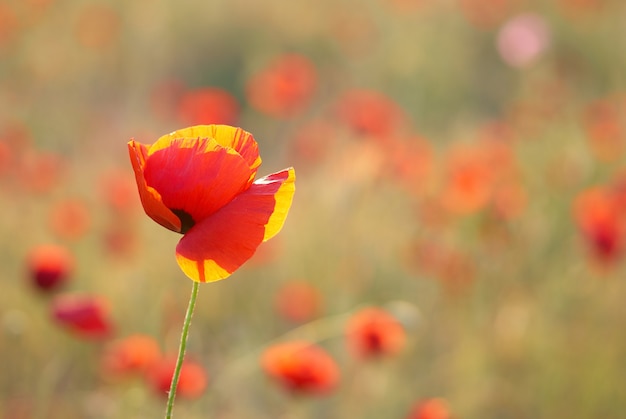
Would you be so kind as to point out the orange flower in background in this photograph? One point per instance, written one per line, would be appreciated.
(435, 408)
(298, 301)
(600, 217)
(49, 266)
(192, 383)
(285, 88)
(133, 354)
(605, 125)
(199, 182)
(487, 13)
(207, 105)
(373, 332)
(301, 367)
(86, 316)
(98, 26)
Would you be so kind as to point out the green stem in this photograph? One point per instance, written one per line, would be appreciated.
(181, 351)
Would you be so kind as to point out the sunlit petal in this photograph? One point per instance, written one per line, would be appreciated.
(150, 198)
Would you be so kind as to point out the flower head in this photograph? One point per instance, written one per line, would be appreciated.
(132, 354)
(49, 266)
(301, 367)
(199, 182)
(193, 377)
(374, 332)
(86, 316)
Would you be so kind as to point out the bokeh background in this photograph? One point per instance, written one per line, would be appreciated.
(459, 165)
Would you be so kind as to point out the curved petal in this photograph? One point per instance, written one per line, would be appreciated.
(232, 137)
(196, 176)
(150, 198)
(285, 181)
(217, 246)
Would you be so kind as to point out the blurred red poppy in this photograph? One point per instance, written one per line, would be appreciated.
(207, 105)
(301, 367)
(298, 301)
(86, 316)
(199, 182)
(133, 354)
(49, 266)
(599, 215)
(118, 192)
(371, 113)
(435, 408)
(285, 87)
(70, 219)
(193, 379)
(373, 332)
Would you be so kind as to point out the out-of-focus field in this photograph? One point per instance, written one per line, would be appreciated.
(459, 164)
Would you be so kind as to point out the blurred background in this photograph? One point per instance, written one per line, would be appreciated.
(459, 168)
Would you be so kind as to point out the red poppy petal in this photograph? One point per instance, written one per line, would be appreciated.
(217, 246)
(239, 140)
(197, 176)
(150, 198)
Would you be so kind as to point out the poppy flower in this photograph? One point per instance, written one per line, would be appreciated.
(207, 105)
(598, 213)
(371, 113)
(298, 301)
(86, 316)
(435, 408)
(70, 219)
(199, 182)
(132, 354)
(49, 266)
(373, 332)
(285, 87)
(301, 367)
(192, 381)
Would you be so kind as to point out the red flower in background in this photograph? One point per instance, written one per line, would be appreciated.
(86, 316)
(133, 354)
(430, 409)
(70, 219)
(192, 382)
(599, 213)
(199, 182)
(373, 332)
(207, 105)
(301, 367)
(298, 301)
(371, 113)
(285, 88)
(49, 266)
(480, 175)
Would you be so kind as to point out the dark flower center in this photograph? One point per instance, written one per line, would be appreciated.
(186, 221)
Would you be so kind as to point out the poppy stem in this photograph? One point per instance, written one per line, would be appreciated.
(181, 350)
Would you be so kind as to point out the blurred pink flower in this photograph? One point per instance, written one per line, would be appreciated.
(522, 39)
